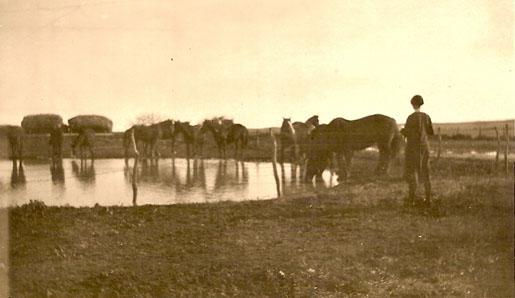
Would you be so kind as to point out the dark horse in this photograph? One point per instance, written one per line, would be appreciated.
(86, 138)
(16, 136)
(296, 136)
(239, 135)
(192, 136)
(234, 133)
(149, 135)
(219, 133)
(343, 137)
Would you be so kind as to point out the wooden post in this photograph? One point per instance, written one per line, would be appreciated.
(479, 133)
(498, 151)
(274, 164)
(257, 139)
(506, 149)
(439, 152)
(134, 171)
(135, 181)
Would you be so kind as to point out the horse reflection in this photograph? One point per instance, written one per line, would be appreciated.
(85, 173)
(198, 179)
(57, 171)
(149, 171)
(17, 176)
(225, 178)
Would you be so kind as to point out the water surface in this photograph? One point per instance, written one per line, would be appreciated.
(108, 182)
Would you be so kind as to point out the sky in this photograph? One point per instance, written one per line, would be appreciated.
(256, 61)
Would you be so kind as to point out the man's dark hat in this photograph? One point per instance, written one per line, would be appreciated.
(417, 100)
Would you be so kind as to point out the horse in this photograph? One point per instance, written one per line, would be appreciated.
(239, 135)
(219, 135)
(296, 135)
(343, 137)
(86, 138)
(16, 136)
(149, 135)
(192, 137)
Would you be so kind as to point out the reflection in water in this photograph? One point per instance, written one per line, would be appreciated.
(149, 171)
(85, 173)
(227, 179)
(108, 183)
(17, 176)
(57, 172)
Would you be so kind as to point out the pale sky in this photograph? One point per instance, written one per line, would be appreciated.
(256, 61)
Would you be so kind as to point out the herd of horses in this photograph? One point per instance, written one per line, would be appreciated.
(312, 146)
(146, 137)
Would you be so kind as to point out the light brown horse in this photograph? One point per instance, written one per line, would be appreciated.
(295, 136)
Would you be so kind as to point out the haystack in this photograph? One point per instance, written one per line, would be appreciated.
(99, 124)
(41, 123)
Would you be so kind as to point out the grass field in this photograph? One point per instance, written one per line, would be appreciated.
(353, 240)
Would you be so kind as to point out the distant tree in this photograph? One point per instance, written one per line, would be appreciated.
(148, 119)
(222, 121)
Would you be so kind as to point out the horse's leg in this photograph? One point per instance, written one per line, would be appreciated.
(126, 154)
(348, 162)
(293, 163)
(241, 150)
(92, 153)
(13, 155)
(20, 152)
(238, 150)
(384, 156)
(282, 152)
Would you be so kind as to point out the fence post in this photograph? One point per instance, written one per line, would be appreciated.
(439, 152)
(274, 164)
(498, 151)
(257, 139)
(506, 149)
(479, 133)
(135, 181)
(134, 170)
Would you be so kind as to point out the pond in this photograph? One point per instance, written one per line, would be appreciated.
(108, 182)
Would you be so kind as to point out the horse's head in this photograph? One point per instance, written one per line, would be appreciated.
(168, 128)
(313, 120)
(287, 127)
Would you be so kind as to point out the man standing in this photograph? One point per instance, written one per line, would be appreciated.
(417, 129)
